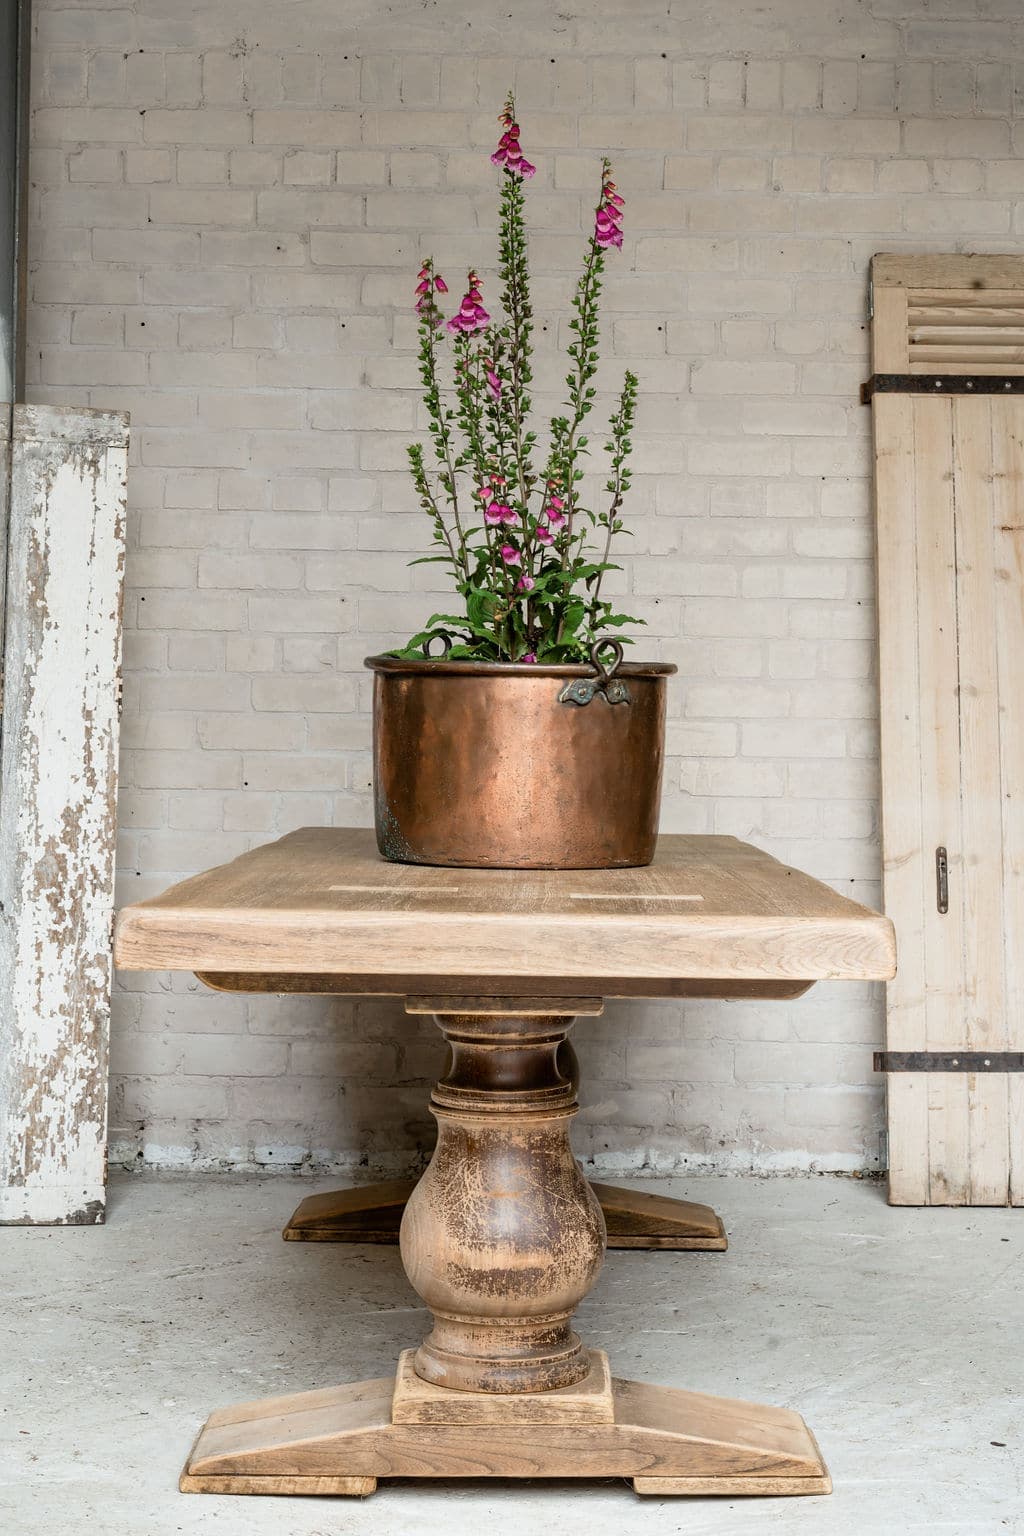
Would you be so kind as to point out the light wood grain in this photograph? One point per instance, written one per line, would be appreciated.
(392, 984)
(372, 1213)
(965, 276)
(274, 910)
(495, 1006)
(957, 317)
(949, 487)
(947, 314)
(997, 356)
(501, 1238)
(730, 1487)
(416, 1401)
(888, 328)
(981, 886)
(1008, 534)
(703, 1444)
(940, 790)
(989, 334)
(900, 729)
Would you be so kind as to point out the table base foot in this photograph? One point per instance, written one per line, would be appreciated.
(373, 1214)
(340, 1440)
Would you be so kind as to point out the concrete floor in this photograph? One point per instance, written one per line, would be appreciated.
(898, 1334)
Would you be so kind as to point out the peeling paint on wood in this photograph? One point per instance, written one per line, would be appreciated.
(58, 779)
(5, 492)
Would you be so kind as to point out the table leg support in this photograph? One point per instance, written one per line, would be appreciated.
(372, 1213)
(340, 1441)
(502, 1238)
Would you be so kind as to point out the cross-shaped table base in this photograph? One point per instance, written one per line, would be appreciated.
(372, 1213)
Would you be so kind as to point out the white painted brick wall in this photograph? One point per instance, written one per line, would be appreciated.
(228, 206)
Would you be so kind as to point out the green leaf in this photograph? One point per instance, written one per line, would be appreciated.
(616, 621)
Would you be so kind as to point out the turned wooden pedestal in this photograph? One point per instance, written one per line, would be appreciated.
(503, 1236)
(373, 1213)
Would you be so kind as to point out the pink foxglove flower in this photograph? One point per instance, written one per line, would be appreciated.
(544, 535)
(608, 217)
(471, 316)
(509, 152)
(493, 384)
(525, 584)
(531, 656)
(428, 283)
(492, 514)
(511, 555)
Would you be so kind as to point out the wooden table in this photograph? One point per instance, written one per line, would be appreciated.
(503, 1237)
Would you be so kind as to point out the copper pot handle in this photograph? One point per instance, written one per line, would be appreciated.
(583, 689)
(445, 639)
(607, 642)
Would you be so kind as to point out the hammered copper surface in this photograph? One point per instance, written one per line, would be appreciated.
(480, 765)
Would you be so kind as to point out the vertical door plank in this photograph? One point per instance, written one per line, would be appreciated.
(979, 890)
(1008, 528)
(940, 791)
(907, 1101)
(890, 344)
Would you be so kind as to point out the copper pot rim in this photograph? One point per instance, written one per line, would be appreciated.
(439, 667)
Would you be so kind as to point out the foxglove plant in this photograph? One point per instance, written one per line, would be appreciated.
(526, 553)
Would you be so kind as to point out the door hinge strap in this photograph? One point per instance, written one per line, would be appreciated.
(949, 1061)
(941, 384)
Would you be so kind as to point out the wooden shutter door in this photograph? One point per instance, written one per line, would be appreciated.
(947, 400)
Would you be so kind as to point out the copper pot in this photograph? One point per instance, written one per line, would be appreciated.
(512, 766)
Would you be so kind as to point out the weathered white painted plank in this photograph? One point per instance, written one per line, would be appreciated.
(58, 775)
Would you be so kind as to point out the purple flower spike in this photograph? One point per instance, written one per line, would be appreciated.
(509, 152)
(428, 284)
(608, 217)
(471, 316)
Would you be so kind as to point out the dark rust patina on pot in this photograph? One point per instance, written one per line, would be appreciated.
(512, 766)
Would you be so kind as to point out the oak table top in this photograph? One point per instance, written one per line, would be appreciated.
(321, 902)
(503, 1237)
